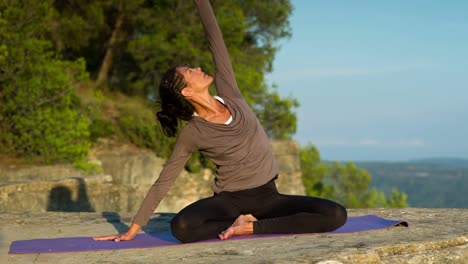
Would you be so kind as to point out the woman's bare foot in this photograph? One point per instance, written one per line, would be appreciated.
(242, 219)
(241, 227)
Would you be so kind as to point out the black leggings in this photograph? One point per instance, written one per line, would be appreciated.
(276, 213)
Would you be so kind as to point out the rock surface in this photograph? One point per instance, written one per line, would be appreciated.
(127, 174)
(111, 198)
(433, 236)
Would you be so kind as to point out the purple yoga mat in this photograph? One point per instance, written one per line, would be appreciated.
(74, 244)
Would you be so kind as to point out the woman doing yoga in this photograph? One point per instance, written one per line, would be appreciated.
(225, 130)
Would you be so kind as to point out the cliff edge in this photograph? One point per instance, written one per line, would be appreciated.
(433, 236)
(59, 201)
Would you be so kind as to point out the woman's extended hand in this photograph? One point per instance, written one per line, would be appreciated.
(129, 235)
(120, 237)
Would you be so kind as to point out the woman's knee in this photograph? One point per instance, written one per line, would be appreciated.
(340, 216)
(180, 228)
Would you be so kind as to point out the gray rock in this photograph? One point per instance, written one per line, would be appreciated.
(128, 173)
(111, 198)
(433, 236)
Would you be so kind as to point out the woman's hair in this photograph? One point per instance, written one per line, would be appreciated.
(174, 106)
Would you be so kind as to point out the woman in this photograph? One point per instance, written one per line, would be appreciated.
(225, 130)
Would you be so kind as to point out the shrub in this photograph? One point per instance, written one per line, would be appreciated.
(138, 125)
(37, 113)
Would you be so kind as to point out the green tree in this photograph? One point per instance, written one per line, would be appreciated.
(397, 199)
(344, 183)
(125, 46)
(38, 115)
(350, 184)
(129, 44)
(281, 123)
(313, 172)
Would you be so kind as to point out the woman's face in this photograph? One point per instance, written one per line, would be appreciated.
(195, 78)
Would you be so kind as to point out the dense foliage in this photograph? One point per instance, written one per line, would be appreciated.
(38, 116)
(128, 45)
(72, 71)
(47, 48)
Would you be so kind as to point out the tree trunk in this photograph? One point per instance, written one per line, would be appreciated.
(107, 61)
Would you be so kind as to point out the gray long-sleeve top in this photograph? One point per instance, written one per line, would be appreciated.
(241, 150)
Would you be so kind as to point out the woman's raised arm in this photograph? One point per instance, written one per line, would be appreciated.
(224, 77)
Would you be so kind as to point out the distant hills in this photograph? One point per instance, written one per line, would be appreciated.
(430, 183)
(453, 162)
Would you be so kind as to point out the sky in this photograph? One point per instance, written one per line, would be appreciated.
(378, 80)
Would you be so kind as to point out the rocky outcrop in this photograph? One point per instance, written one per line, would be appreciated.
(434, 236)
(128, 173)
(87, 205)
(290, 178)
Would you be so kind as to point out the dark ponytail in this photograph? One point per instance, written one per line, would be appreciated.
(174, 106)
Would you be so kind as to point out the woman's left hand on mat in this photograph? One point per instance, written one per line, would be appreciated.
(116, 238)
(129, 235)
